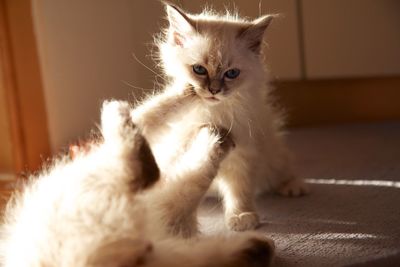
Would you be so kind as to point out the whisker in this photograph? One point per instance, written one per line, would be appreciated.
(245, 110)
(250, 132)
(143, 90)
(231, 125)
(232, 121)
(148, 68)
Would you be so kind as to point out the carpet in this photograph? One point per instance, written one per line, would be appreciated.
(351, 217)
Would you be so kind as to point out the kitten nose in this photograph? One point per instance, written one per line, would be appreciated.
(214, 91)
(215, 87)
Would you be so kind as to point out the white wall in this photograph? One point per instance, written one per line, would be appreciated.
(85, 50)
(351, 38)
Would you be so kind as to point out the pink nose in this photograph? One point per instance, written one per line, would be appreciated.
(214, 91)
(215, 86)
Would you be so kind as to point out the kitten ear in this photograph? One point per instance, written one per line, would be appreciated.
(180, 25)
(253, 34)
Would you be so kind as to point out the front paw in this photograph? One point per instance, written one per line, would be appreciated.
(189, 91)
(116, 122)
(294, 188)
(221, 140)
(225, 139)
(243, 221)
(256, 251)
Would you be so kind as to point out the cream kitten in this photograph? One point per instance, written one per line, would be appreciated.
(98, 210)
(220, 59)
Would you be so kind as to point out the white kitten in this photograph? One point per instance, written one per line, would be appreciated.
(97, 210)
(219, 57)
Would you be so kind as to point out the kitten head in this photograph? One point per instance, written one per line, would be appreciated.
(217, 55)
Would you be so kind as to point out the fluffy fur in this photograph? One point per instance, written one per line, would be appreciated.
(242, 104)
(98, 210)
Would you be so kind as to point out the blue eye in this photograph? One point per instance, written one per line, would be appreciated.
(232, 73)
(199, 69)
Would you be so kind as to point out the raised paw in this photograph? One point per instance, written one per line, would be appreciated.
(224, 140)
(124, 142)
(213, 141)
(256, 251)
(115, 119)
(189, 91)
(294, 188)
(243, 221)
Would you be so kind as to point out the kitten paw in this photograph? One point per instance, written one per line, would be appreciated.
(224, 141)
(189, 91)
(294, 188)
(244, 221)
(256, 251)
(115, 119)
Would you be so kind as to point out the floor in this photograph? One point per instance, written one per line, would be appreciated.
(352, 216)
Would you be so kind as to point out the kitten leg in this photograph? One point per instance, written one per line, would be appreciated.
(121, 252)
(280, 173)
(238, 193)
(126, 148)
(153, 113)
(184, 189)
(289, 184)
(241, 250)
(294, 187)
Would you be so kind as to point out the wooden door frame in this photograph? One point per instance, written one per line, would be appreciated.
(21, 78)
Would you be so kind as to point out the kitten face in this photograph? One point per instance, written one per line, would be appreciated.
(218, 56)
(215, 72)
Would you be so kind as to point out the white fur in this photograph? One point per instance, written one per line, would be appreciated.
(96, 211)
(261, 160)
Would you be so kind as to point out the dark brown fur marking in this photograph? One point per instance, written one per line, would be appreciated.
(150, 170)
(259, 254)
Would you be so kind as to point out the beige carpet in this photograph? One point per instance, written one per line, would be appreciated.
(352, 217)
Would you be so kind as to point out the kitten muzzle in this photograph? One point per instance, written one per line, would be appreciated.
(215, 86)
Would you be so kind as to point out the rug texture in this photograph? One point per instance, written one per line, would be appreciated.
(351, 217)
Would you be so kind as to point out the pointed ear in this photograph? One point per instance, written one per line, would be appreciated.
(180, 25)
(253, 34)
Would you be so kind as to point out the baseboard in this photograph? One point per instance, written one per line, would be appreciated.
(317, 102)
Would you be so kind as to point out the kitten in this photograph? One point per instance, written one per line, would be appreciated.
(220, 59)
(106, 208)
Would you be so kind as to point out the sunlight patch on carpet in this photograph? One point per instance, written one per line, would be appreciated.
(336, 236)
(394, 184)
